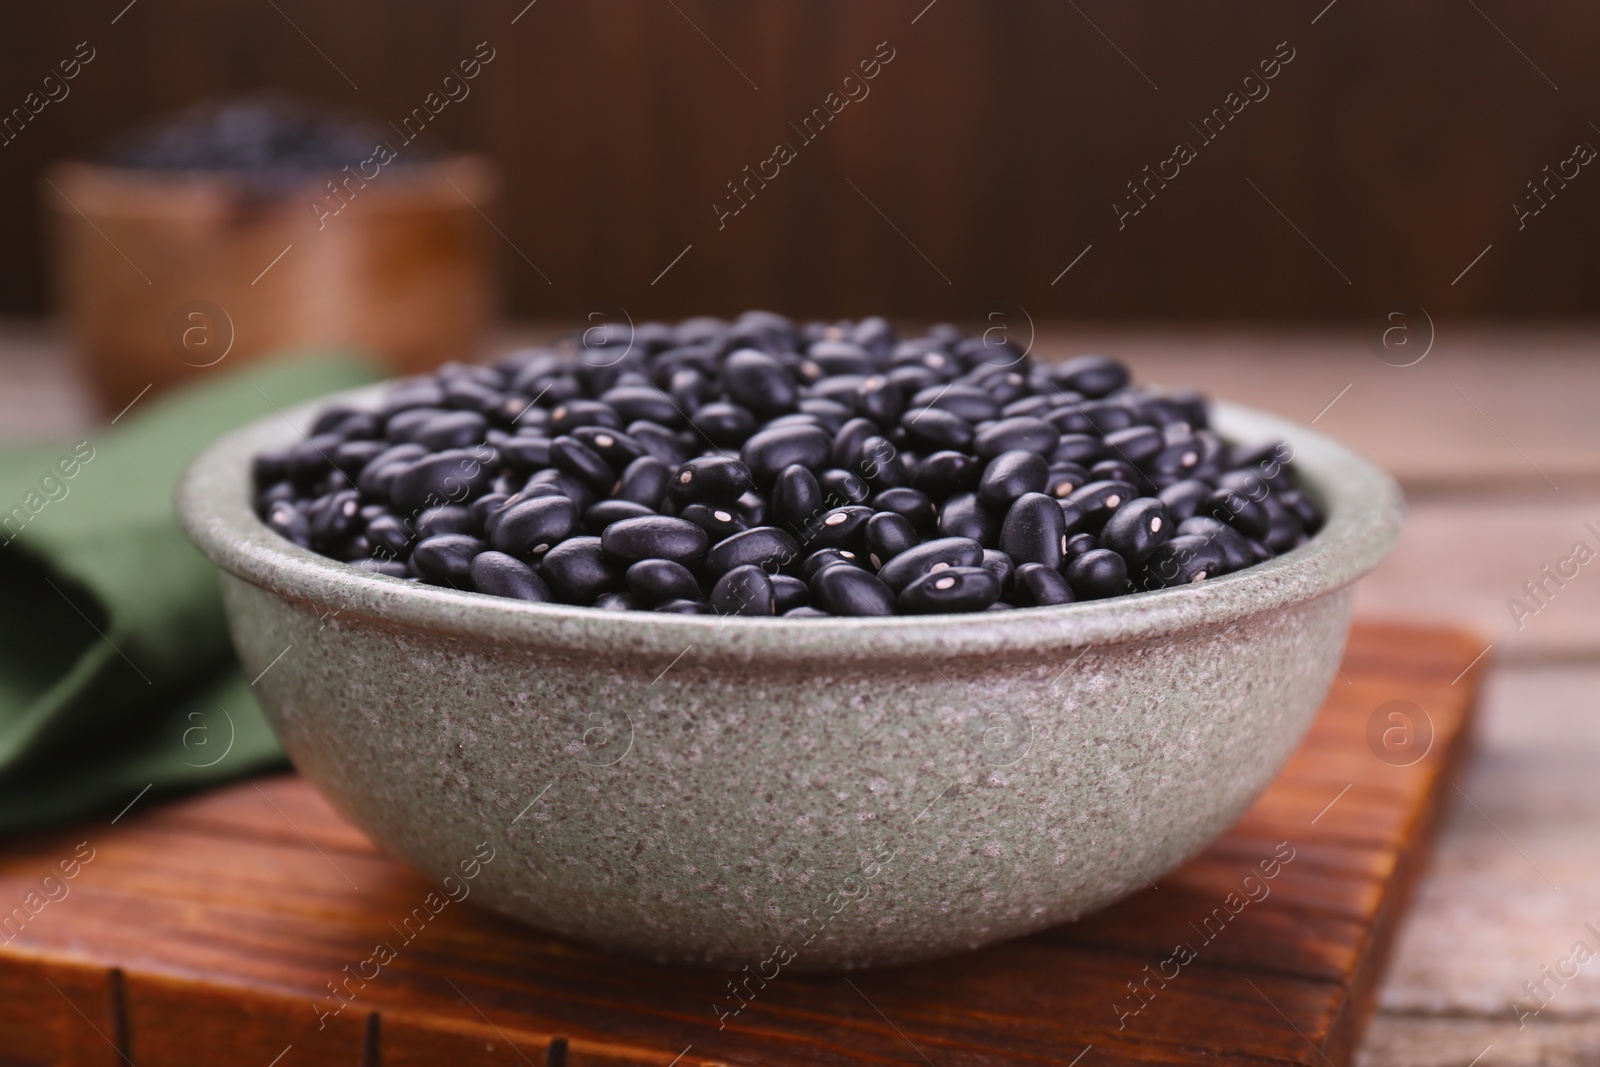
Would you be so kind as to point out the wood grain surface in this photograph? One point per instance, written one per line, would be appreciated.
(977, 165)
(214, 929)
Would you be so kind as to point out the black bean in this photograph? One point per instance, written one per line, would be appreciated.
(573, 489)
(654, 580)
(912, 504)
(1023, 433)
(881, 466)
(391, 534)
(796, 497)
(451, 518)
(758, 382)
(578, 570)
(501, 575)
(1093, 376)
(532, 526)
(968, 401)
(851, 591)
(571, 456)
(911, 564)
(655, 537)
(1097, 574)
(404, 426)
(936, 428)
(1135, 445)
(764, 546)
(842, 486)
(768, 452)
(1181, 561)
(657, 440)
(447, 559)
(644, 481)
(879, 399)
(719, 521)
(724, 425)
(351, 457)
(709, 480)
(683, 607)
(1080, 448)
(744, 590)
(964, 515)
(1034, 531)
(788, 593)
(941, 473)
(1284, 532)
(805, 612)
(570, 414)
(1137, 528)
(335, 519)
(453, 476)
(1002, 566)
(615, 447)
(1010, 475)
(952, 589)
(887, 535)
(1179, 456)
(1100, 499)
(289, 520)
(1064, 479)
(827, 557)
(1236, 550)
(842, 527)
(1107, 416)
(1304, 508)
(481, 509)
(451, 429)
(1078, 544)
(599, 515)
(1036, 585)
(632, 402)
(1247, 516)
(1183, 498)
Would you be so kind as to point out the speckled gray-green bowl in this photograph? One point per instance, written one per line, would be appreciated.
(856, 791)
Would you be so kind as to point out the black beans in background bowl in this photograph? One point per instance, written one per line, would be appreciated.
(762, 467)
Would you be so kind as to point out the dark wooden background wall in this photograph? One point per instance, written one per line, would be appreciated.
(987, 156)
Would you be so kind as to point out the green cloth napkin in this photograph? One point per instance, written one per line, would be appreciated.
(116, 672)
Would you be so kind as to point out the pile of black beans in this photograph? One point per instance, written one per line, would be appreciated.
(759, 467)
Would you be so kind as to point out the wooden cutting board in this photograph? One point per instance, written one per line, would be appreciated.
(210, 929)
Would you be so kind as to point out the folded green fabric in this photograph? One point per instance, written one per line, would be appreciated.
(116, 673)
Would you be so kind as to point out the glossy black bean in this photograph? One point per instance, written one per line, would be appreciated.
(450, 518)
(571, 414)
(1034, 530)
(796, 497)
(941, 473)
(718, 520)
(390, 533)
(911, 564)
(828, 557)
(955, 589)
(447, 559)
(1037, 406)
(652, 581)
(1071, 420)
(912, 378)
(498, 574)
(1093, 376)
(744, 590)
(683, 607)
(913, 505)
(881, 465)
(842, 487)
(1011, 474)
(1064, 479)
(1304, 508)
(1137, 529)
(768, 452)
(532, 526)
(655, 537)
(1023, 433)
(1037, 585)
(525, 454)
(615, 447)
(723, 424)
(887, 535)
(1178, 456)
(1249, 517)
(574, 489)
(451, 429)
(1077, 545)
(334, 519)
(644, 481)
(935, 429)
(632, 402)
(1002, 566)
(1181, 561)
(1236, 548)
(1284, 532)
(1183, 498)
(578, 570)
(851, 591)
(403, 427)
(841, 527)
(752, 508)
(964, 515)
(788, 593)
(604, 513)
(968, 401)
(571, 456)
(351, 457)
(710, 480)
(848, 439)
(1135, 445)
(1100, 499)
(287, 519)
(1080, 448)
(1097, 574)
(1108, 416)
(879, 399)
(658, 441)
(756, 381)
(764, 546)
(453, 476)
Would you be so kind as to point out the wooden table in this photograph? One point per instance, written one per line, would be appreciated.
(1473, 431)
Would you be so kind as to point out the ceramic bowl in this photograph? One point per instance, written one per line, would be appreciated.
(828, 793)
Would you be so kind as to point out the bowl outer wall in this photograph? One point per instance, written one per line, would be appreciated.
(862, 791)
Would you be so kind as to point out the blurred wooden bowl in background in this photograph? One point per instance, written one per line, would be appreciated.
(162, 275)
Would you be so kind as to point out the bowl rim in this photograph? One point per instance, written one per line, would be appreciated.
(1363, 504)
